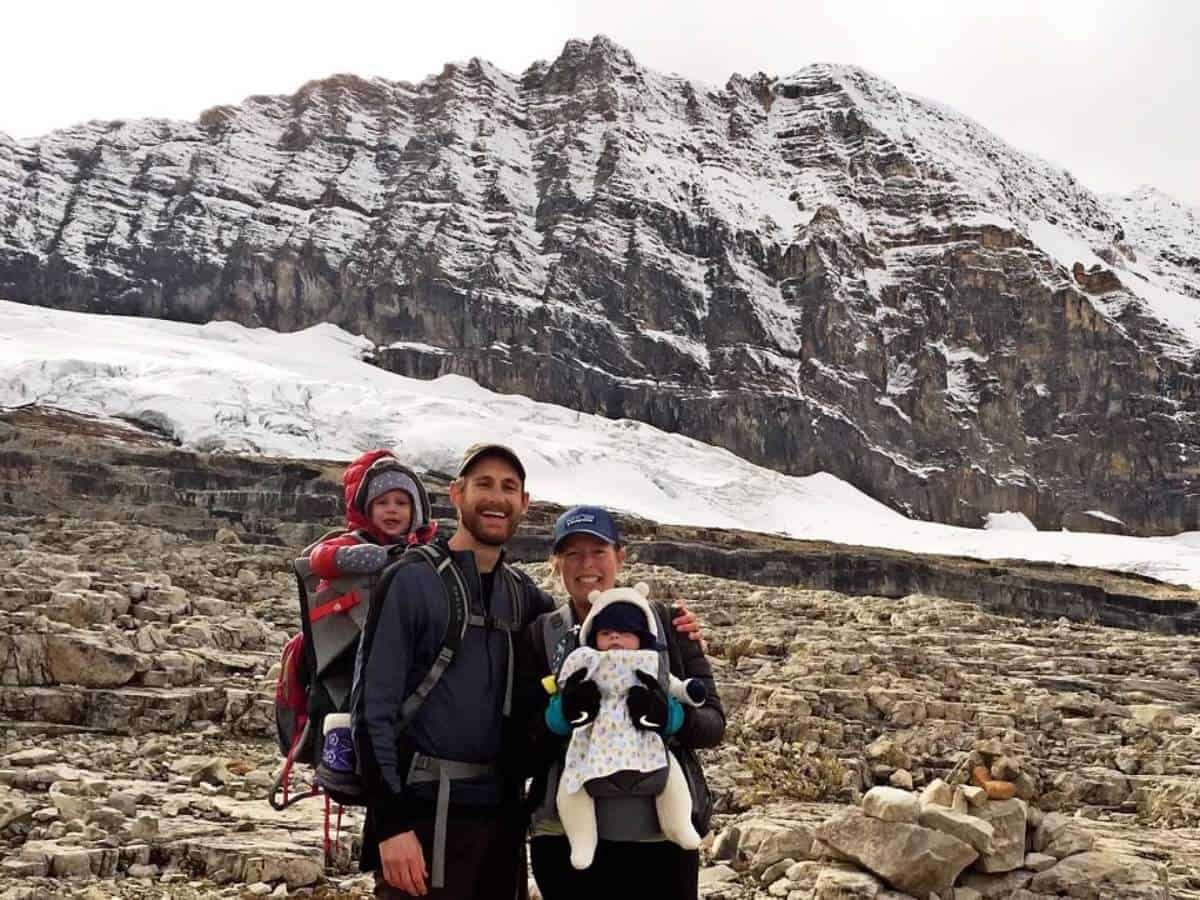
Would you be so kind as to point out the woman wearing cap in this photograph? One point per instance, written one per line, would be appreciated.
(588, 556)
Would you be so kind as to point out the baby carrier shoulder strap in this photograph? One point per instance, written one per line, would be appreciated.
(560, 635)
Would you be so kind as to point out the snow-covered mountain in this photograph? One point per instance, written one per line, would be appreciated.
(222, 387)
(817, 272)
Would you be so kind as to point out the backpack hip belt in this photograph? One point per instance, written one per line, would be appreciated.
(424, 769)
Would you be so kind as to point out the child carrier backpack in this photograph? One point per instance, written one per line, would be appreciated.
(316, 666)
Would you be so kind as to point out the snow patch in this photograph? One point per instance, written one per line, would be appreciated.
(1008, 521)
(309, 394)
(1177, 310)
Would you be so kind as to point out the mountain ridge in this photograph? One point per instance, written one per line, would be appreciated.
(817, 272)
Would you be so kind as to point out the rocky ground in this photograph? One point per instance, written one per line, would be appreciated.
(137, 669)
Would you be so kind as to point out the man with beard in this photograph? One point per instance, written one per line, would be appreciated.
(437, 785)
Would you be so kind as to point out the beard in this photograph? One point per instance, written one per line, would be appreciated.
(491, 532)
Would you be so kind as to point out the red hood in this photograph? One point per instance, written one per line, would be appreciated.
(356, 519)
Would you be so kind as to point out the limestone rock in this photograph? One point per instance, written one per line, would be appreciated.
(917, 860)
(974, 795)
(89, 660)
(996, 886)
(725, 847)
(1094, 875)
(1039, 862)
(838, 884)
(790, 843)
(971, 830)
(1153, 718)
(937, 793)
(718, 874)
(1095, 785)
(1061, 836)
(1007, 819)
(34, 756)
(891, 805)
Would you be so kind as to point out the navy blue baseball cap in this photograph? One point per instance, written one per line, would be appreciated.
(586, 520)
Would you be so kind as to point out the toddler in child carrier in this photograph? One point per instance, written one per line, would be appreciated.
(387, 509)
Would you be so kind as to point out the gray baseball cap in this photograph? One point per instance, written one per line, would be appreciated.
(478, 451)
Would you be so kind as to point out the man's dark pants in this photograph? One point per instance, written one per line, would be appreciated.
(484, 859)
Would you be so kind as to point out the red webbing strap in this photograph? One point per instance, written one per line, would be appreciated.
(286, 775)
(340, 604)
(328, 843)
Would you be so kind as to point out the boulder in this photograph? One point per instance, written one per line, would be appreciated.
(1039, 862)
(970, 829)
(718, 874)
(1097, 875)
(973, 794)
(1008, 819)
(1061, 836)
(839, 884)
(937, 793)
(910, 858)
(787, 843)
(1093, 785)
(34, 756)
(90, 660)
(891, 804)
(1153, 718)
(996, 887)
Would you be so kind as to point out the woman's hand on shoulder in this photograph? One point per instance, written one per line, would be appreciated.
(687, 624)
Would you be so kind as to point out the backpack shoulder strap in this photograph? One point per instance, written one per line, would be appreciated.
(516, 593)
(670, 660)
(663, 612)
(458, 603)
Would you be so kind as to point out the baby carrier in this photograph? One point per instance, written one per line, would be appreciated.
(623, 813)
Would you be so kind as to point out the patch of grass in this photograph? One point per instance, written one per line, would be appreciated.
(790, 774)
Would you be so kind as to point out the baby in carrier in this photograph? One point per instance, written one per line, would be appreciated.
(619, 649)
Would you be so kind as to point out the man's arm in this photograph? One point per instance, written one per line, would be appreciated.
(537, 601)
(386, 655)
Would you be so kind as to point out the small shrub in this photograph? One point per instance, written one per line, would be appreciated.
(793, 775)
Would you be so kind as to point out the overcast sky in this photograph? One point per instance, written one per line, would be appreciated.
(1109, 90)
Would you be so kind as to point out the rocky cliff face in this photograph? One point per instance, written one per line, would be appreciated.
(816, 272)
